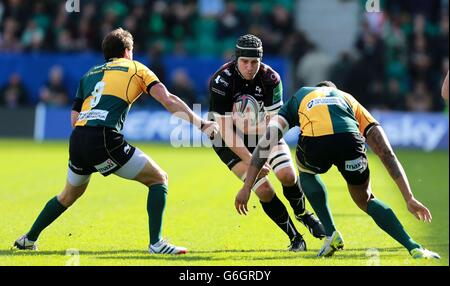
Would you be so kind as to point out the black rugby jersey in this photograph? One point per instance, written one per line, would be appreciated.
(226, 85)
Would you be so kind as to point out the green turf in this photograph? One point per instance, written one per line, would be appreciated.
(108, 225)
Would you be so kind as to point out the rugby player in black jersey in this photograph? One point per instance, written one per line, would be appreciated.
(247, 76)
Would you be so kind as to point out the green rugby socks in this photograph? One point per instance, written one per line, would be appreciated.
(156, 203)
(316, 193)
(385, 218)
(52, 210)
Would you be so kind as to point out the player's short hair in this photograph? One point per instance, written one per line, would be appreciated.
(326, 83)
(248, 46)
(115, 43)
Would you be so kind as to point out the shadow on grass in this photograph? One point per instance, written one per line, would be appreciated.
(211, 255)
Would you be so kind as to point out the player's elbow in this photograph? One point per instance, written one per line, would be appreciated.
(169, 102)
(387, 155)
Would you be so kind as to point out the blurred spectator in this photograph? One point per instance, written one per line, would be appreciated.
(394, 38)
(33, 36)
(420, 59)
(340, 71)
(231, 22)
(156, 65)
(406, 43)
(53, 92)
(281, 25)
(257, 19)
(183, 88)
(440, 46)
(395, 97)
(2, 11)
(17, 9)
(296, 45)
(313, 67)
(376, 95)
(371, 50)
(157, 18)
(9, 41)
(181, 17)
(155, 54)
(420, 99)
(13, 94)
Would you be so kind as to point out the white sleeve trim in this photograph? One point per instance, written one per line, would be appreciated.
(274, 107)
(274, 122)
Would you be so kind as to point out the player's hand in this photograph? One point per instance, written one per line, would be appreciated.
(210, 128)
(241, 201)
(419, 210)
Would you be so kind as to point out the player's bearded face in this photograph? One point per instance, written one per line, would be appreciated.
(248, 67)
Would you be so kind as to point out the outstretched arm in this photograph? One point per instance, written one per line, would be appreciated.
(177, 107)
(378, 142)
(274, 132)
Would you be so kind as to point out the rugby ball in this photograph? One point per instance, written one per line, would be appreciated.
(247, 108)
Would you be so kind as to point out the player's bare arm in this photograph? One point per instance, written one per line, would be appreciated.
(444, 91)
(274, 132)
(177, 107)
(231, 139)
(378, 142)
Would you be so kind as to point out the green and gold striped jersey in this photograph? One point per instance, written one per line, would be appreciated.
(323, 111)
(108, 90)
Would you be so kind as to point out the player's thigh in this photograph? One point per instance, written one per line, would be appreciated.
(314, 154)
(281, 163)
(140, 167)
(262, 189)
(75, 187)
(227, 156)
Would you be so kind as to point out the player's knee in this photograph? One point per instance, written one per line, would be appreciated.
(362, 204)
(69, 196)
(287, 177)
(362, 201)
(265, 192)
(161, 177)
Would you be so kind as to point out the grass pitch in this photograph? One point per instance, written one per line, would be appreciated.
(108, 225)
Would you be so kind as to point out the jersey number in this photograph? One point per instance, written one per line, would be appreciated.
(97, 93)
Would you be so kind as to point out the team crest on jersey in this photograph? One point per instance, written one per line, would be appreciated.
(106, 166)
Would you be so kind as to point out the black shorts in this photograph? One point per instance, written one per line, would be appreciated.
(98, 149)
(347, 151)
